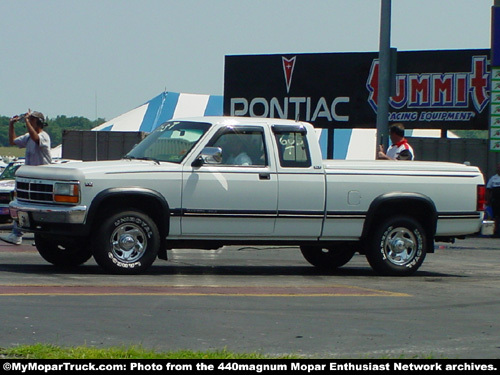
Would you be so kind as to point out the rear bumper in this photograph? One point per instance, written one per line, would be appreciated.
(488, 228)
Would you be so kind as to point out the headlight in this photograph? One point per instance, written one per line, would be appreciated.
(66, 192)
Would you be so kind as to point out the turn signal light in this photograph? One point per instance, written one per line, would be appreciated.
(66, 192)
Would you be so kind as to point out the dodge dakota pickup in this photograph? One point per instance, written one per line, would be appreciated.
(208, 182)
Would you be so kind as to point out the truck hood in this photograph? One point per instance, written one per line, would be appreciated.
(83, 170)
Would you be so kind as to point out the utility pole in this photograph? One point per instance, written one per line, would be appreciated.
(384, 74)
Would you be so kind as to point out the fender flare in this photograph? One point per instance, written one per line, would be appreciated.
(125, 192)
(401, 199)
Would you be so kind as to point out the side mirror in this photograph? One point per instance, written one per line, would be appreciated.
(209, 155)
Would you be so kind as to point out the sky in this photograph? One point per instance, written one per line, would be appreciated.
(102, 58)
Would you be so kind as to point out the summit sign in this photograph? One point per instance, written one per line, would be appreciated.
(434, 89)
(447, 93)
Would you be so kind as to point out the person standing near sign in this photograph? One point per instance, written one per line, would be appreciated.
(400, 148)
(37, 144)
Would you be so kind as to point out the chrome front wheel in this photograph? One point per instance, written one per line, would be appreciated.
(127, 242)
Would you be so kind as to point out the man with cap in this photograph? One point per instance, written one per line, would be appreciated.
(37, 144)
(400, 148)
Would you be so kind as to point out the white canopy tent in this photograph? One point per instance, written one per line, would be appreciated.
(159, 109)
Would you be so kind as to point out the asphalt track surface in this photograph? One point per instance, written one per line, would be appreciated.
(260, 299)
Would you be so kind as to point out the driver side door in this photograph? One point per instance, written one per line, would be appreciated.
(230, 199)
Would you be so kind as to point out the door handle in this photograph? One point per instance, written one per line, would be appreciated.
(264, 176)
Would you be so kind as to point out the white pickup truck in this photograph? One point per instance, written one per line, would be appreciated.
(209, 182)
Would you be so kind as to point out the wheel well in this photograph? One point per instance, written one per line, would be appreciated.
(421, 210)
(148, 204)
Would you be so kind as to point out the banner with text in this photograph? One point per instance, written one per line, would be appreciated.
(433, 89)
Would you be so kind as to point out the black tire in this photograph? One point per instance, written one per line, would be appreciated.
(328, 259)
(63, 252)
(397, 247)
(126, 243)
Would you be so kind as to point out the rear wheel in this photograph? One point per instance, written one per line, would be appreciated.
(397, 247)
(328, 259)
(63, 252)
(127, 242)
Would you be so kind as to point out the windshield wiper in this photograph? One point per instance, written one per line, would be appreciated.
(142, 158)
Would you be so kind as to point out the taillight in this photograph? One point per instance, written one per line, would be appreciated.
(481, 198)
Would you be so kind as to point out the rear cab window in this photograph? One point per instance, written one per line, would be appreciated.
(292, 146)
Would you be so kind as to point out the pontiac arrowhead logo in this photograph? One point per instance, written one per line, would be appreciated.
(288, 65)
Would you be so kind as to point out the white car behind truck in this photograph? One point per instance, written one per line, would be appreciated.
(179, 188)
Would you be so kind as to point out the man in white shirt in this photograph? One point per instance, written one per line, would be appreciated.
(235, 152)
(400, 148)
(37, 144)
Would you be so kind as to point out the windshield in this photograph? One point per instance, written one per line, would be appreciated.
(170, 142)
(9, 173)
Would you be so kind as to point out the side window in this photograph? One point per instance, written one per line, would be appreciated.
(293, 150)
(241, 147)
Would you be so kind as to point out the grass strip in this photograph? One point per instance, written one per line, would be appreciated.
(47, 351)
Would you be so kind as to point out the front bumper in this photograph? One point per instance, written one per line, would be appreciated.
(31, 215)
